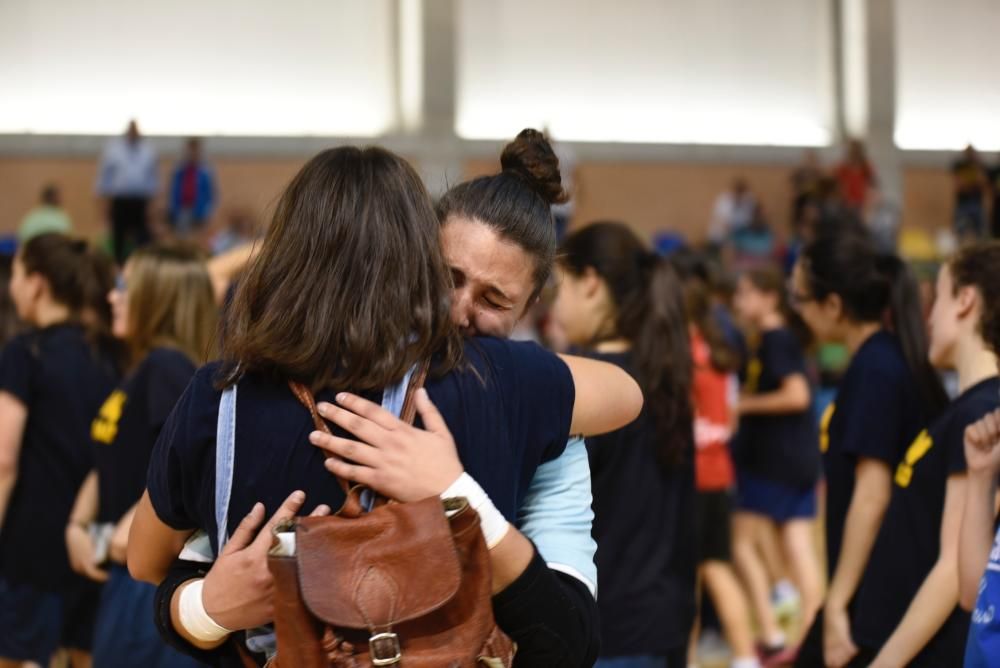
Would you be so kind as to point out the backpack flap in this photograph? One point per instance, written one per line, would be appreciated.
(389, 566)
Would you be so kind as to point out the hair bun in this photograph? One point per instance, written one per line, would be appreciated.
(531, 157)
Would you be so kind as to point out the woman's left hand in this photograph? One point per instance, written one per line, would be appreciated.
(838, 647)
(392, 457)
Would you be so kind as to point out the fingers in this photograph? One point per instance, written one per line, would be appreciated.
(94, 573)
(246, 531)
(359, 474)
(429, 414)
(322, 510)
(361, 426)
(289, 509)
(369, 410)
(361, 453)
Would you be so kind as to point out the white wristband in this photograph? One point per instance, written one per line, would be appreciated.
(193, 617)
(491, 520)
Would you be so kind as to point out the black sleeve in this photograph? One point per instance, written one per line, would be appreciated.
(784, 357)
(16, 369)
(551, 616)
(169, 374)
(224, 656)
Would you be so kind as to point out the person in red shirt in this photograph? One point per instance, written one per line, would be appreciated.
(714, 394)
(855, 177)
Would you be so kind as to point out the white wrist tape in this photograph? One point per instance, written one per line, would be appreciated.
(491, 520)
(194, 619)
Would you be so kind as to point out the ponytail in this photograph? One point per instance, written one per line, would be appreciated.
(79, 277)
(649, 305)
(906, 321)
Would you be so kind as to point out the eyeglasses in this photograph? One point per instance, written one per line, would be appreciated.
(797, 298)
(120, 284)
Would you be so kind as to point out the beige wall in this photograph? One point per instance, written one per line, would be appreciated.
(253, 184)
(649, 195)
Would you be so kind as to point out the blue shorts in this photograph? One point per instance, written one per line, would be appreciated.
(772, 499)
(31, 621)
(125, 634)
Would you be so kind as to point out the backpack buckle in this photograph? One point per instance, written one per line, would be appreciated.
(385, 649)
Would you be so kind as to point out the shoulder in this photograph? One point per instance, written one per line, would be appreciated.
(973, 404)
(166, 360)
(502, 357)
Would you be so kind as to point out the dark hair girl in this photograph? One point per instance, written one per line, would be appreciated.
(624, 304)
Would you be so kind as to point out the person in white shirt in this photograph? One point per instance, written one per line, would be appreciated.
(733, 211)
(128, 179)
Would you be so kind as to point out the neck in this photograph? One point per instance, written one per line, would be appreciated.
(974, 363)
(613, 346)
(771, 321)
(858, 334)
(50, 313)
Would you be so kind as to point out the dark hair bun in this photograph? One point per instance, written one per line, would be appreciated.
(531, 157)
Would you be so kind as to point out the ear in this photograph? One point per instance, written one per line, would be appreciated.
(833, 305)
(967, 300)
(590, 281)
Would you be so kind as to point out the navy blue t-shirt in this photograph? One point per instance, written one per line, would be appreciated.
(128, 425)
(877, 414)
(61, 379)
(782, 448)
(643, 526)
(509, 409)
(909, 541)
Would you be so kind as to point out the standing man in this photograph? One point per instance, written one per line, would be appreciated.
(127, 180)
(192, 192)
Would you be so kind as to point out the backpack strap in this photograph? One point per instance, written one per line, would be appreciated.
(399, 399)
(225, 456)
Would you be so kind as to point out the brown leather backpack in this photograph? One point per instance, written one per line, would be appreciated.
(401, 585)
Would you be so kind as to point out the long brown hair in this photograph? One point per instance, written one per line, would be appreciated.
(171, 302)
(350, 288)
(649, 313)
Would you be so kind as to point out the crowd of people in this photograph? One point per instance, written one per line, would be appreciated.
(658, 462)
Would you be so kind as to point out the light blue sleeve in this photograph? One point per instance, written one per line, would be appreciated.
(557, 516)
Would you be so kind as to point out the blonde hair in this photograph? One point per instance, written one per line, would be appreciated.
(171, 302)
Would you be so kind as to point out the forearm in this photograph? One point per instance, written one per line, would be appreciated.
(860, 530)
(85, 508)
(792, 396)
(976, 537)
(175, 622)
(551, 616)
(166, 612)
(510, 558)
(769, 403)
(928, 611)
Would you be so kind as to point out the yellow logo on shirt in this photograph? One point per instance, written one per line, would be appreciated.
(104, 428)
(754, 369)
(824, 427)
(920, 446)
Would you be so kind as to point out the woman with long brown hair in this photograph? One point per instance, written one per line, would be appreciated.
(164, 309)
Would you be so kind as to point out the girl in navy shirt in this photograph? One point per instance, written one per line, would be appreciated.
(778, 444)
(352, 264)
(979, 548)
(164, 308)
(625, 304)
(52, 380)
(907, 603)
(845, 291)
